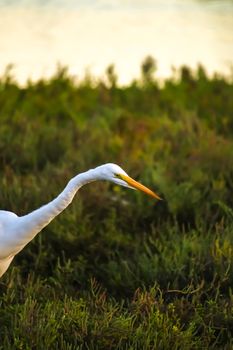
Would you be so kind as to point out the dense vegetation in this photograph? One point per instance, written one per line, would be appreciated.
(118, 270)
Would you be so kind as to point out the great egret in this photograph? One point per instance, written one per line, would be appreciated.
(17, 231)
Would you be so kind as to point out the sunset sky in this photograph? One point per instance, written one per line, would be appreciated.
(36, 35)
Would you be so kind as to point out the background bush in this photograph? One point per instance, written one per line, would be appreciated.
(118, 269)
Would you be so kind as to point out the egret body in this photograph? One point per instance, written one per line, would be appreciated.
(17, 231)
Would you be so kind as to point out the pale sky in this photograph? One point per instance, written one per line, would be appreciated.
(36, 35)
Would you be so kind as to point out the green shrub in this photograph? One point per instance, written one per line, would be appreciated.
(118, 270)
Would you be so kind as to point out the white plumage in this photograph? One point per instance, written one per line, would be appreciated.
(18, 231)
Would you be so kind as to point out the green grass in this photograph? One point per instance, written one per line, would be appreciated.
(118, 270)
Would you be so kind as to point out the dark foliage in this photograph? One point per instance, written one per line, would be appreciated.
(118, 270)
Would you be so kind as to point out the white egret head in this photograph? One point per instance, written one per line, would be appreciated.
(114, 173)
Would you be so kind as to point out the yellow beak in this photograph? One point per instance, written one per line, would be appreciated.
(139, 186)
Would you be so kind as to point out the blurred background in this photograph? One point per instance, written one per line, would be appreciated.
(37, 34)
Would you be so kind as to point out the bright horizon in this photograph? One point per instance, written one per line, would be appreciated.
(93, 34)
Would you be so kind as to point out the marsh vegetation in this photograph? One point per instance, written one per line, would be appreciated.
(118, 270)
